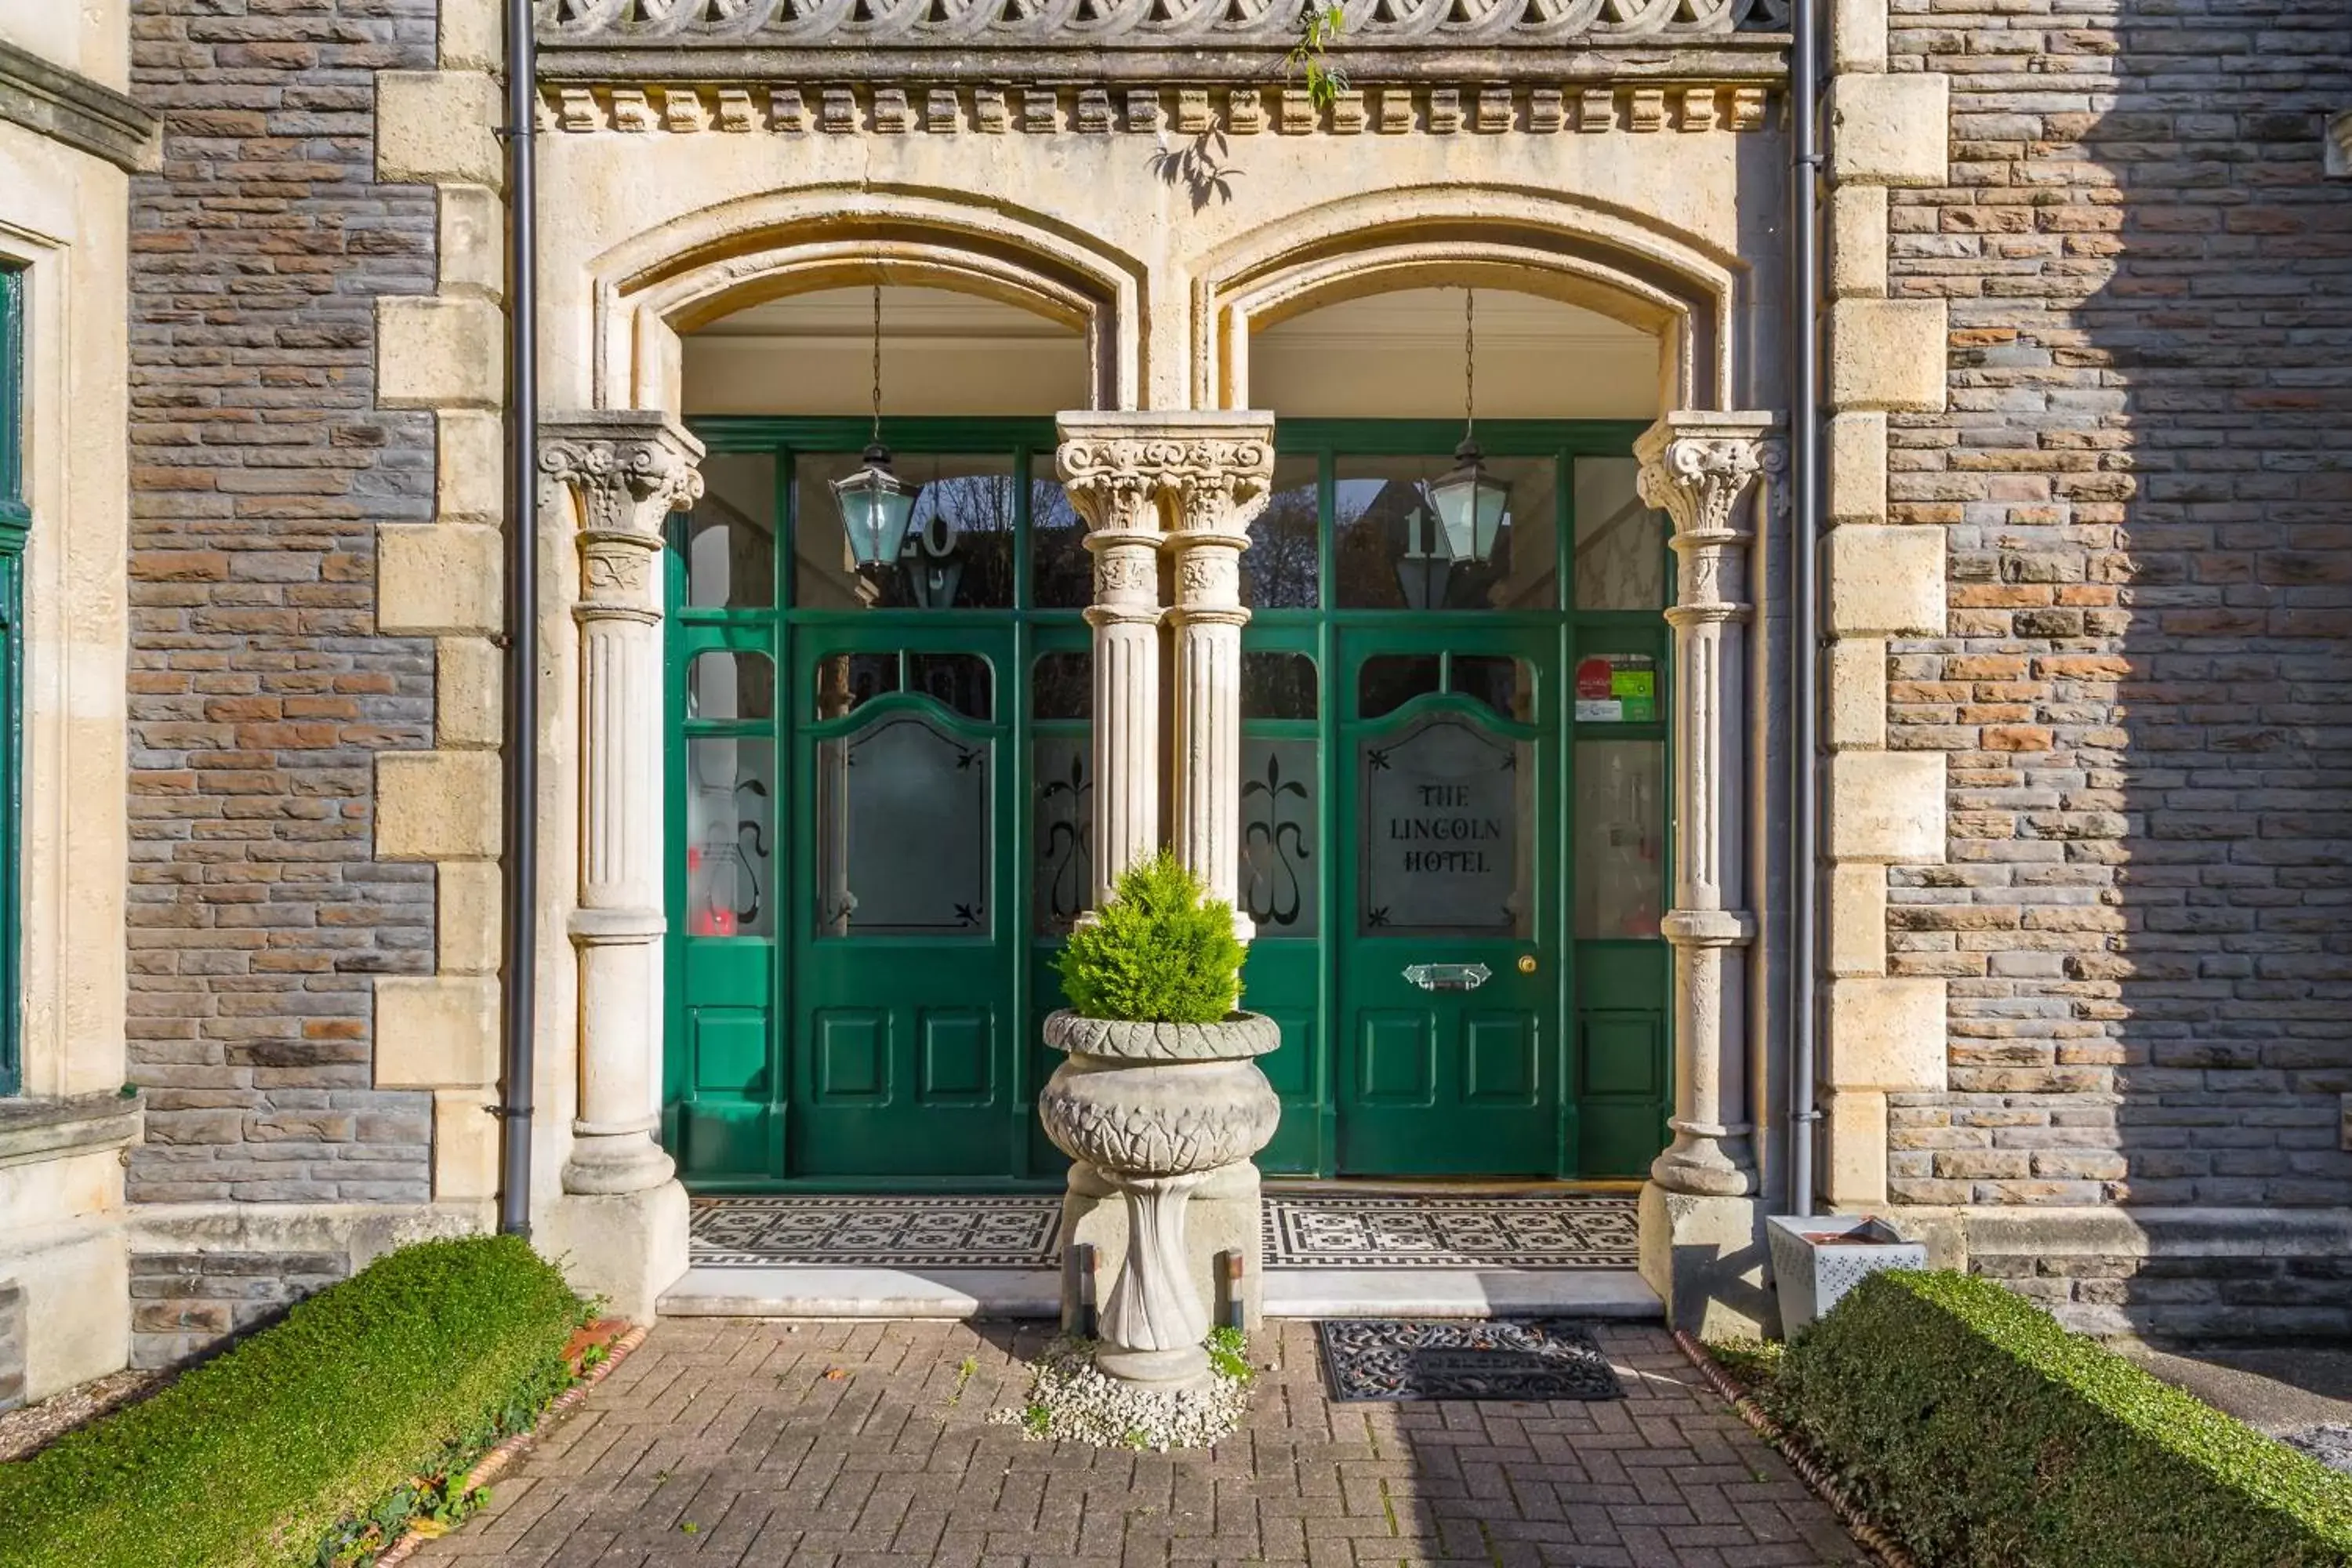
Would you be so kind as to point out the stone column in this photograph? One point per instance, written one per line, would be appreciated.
(1107, 467)
(1190, 482)
(624, 1222)
(1219, 480)
(1701, 1230)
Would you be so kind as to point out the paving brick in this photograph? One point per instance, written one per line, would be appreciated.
(901, 1470)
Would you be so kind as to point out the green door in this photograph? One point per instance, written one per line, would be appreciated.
(1450, 965)
(901, 1009)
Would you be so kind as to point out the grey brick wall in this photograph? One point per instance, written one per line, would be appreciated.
(2147, 688)
(260, 693)
(184, 1304)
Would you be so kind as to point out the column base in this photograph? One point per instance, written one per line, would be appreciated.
(1704, 1256)
(614, 1165)
(1223, 1217)
(627, 1248)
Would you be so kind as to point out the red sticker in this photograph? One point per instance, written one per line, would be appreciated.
(1592, 681)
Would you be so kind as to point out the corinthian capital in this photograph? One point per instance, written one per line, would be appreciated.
(1178, 473)
(1696, 467)
(630, 468)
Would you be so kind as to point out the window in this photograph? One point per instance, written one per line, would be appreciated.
(15, 517)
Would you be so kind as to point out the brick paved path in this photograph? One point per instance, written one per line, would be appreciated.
(723, 1443)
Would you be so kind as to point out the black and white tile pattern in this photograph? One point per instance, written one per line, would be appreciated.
(1304, 1231)
(876, 1232)
(1386, 1359)
(1500, 1231)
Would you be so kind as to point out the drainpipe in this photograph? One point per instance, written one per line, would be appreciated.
(518, 878)
(1804, 569)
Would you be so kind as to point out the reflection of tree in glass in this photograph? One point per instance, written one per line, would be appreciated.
(1060, 566)
(1279, 569)
(966, 519)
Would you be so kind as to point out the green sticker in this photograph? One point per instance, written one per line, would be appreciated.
(1641, 683)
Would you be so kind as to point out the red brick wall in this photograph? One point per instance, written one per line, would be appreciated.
(259, 692)
(2147, 688)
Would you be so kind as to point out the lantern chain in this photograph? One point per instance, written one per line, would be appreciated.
(1469, 362)
(878, 363)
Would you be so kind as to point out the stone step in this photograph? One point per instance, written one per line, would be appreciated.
(792, 1290)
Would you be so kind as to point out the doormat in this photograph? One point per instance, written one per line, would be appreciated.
(886, 1232)
(1506, 1231)
(1516, 1359)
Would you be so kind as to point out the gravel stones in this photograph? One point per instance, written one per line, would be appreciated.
(2331, 1444)
(1070, 1398)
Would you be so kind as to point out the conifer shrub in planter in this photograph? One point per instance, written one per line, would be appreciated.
(1161, 1089)
(357, 1406)
(1982, 1435)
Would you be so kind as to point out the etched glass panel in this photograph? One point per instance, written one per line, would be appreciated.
(1280, 790)
(1621, 543)
(1279, 686)
(1621, 821)
(902, 830)
(1389, 551)
(1060, 572)
(1062, 818)
(1447, 814)
(730, 534)
(723, 685)
(730, 792)
(958, 549)
(1281, 569)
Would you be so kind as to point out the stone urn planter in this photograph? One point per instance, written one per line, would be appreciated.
(1158, 1109)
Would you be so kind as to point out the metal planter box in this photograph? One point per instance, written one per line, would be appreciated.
(1812, 1274)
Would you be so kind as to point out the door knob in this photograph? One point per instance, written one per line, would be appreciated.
(1527, 964)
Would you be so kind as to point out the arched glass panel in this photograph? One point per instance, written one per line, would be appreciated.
(731, 836)
(1447, 808)
(902, 830)
(1279, 686)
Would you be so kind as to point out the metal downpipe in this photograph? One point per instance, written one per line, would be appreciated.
(1804, 564)
(519, 867)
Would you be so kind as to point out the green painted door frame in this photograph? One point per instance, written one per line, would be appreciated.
(1562, 1072)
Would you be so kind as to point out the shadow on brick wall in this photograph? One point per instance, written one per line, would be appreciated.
(2146, 688)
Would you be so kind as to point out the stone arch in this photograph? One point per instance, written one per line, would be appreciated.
(669, 279)
(1689, 295)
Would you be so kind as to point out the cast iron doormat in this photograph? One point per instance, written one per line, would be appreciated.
(1517, 1359)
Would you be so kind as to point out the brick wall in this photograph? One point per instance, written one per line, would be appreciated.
(2147, 687)
(259, 692)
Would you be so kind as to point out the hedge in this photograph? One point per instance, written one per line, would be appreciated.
(1982, 1435)
(252, 1458)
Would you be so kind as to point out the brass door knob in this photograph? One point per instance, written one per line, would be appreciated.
(1527, 964)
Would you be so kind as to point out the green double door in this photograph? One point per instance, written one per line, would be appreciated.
(882, 801)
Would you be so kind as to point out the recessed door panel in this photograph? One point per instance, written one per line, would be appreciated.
(956, 1065)
(852, 1060)
(1396, 1061)
(1499, 1065)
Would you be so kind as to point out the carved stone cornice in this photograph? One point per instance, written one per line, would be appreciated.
(65, 106)
(938, 103)
(1106, 26)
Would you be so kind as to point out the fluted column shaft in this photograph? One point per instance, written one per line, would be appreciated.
(1702, 470)
(1214, 490)
(624, 473)
(1114, 493)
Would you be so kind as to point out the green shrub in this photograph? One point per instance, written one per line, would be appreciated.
(254, 1457)
(1158, 952)
(1982, 1435)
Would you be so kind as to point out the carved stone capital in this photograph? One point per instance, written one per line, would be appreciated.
(1696, 467)
(630, 468)
(1198, 474)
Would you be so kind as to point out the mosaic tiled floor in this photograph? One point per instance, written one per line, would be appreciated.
(875, 1232)
(1530, 1231)
(1309, 1230)
(1372, 1358)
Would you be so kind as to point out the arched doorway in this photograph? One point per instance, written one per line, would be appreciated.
(878, 780)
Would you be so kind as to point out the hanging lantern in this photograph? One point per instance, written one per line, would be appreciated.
(875, 502)
(1470, 503)
(874, 505)
(1422, 572)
